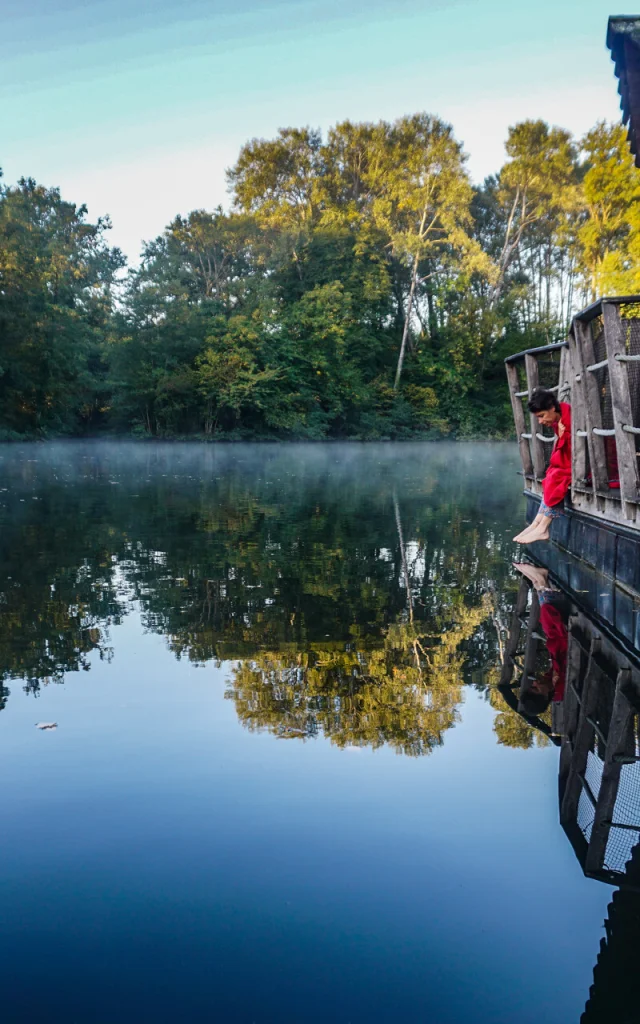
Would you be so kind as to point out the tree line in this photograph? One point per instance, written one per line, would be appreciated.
(359, 286)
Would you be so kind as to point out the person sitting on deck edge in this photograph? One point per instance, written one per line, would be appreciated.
(549, 412)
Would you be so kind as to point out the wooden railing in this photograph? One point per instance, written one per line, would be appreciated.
(597, 370)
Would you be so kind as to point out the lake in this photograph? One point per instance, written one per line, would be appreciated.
(281, 786)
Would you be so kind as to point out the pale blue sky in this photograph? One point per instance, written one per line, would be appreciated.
(136, 107)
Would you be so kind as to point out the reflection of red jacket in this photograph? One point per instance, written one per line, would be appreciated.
(555, 630)
(558, 477)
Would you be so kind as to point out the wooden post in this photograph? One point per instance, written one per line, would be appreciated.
(531, 645)
(618, 740)
(622, 413)
(518, 419)
(593, 415)
(565, 376)
(582, 740)
(514, 634)
(578, 423)
(533, 380)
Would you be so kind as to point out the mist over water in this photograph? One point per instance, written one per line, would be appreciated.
(280, 787)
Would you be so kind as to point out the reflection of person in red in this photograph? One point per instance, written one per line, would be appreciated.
(549, 412)
(549, 687)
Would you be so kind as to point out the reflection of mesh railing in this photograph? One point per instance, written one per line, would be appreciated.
(586, 814)
(601, 789)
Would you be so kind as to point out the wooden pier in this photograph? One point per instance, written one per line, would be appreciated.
(596, 370)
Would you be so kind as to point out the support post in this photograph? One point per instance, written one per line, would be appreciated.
(593, 415)
(518, 419)
(622, 412)
(581, 741)
(537, 451)
(514, 634)
(618, 741)
(578, 423)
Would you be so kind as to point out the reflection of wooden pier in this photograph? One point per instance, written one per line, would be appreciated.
(598, 730)
(597, 725)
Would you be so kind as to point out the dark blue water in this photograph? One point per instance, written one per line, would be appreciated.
(276, 791)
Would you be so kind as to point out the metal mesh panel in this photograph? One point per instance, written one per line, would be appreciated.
(585, 815)
(625, 829)
(593, 772)
(620, 844)
(627, 806)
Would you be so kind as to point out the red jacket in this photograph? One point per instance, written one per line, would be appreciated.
(558, 476)
(555, 629)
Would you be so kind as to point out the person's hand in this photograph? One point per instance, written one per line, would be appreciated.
(561, 429)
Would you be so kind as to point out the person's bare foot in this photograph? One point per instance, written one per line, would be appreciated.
(540, 532)
(527, 530)
(520, 537)
(539, 577)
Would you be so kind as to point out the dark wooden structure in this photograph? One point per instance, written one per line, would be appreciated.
(597, 727)
(623, 39)
(597, 370)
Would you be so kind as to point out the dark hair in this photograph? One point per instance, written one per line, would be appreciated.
(541, 400)
(533, 703)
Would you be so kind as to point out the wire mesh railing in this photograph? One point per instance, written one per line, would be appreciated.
(597, 370)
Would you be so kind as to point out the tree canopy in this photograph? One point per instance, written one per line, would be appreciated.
(358, 286)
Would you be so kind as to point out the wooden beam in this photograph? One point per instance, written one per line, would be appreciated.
(518, 419)
(619, 741)
(584, 353)
(582, 738)
(531, 643)
(513, 639)
(537, 451)
(578, 423)
(622, 410)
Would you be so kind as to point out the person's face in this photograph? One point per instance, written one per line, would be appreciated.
(547, 417)
(541, 686)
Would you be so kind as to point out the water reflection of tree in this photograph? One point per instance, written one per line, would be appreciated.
(405, 693)
(57, 596)
(294, 568)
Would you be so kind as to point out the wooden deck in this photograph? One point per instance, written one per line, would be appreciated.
(596, 370)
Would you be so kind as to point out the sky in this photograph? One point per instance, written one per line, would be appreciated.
(137, 107)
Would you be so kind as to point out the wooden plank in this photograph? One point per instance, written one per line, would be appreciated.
(572, 685)
(622, 411)
(519, 420)
(619, 739)
(513, 639)
(565, 376)
(537, 450)
(582, 739)
(578, 423)
(532, 641)
(584, 353)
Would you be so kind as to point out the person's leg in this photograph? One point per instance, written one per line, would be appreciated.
(535, 573)
(542, 523)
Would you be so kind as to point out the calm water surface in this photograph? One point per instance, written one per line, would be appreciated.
(281, 787)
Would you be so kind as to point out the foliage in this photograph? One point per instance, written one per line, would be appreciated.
(358, 287)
